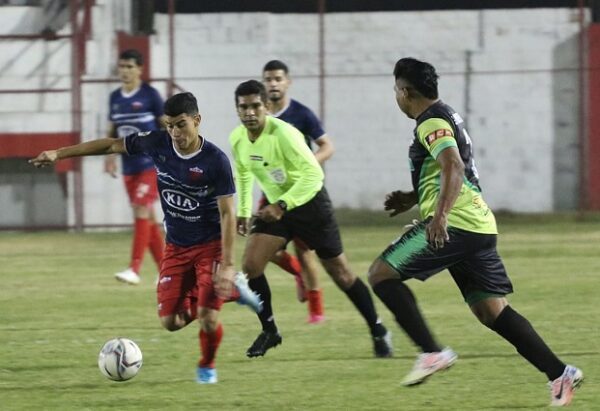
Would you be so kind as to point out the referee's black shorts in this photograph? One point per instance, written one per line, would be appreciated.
(313, 223)
(470, 257)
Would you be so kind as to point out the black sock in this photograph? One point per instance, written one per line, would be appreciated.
(401, 302)
(260, 286)
(519, 332)
(360, 296)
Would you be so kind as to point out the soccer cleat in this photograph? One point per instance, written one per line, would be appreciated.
(128, 276)
(206, 375)
(263, 342)
(247, 296)
(300, 288)
(428, 364)
(382, 346)
(562, 388)
(315, 319)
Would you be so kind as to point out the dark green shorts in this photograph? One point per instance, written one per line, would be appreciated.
(470, 257)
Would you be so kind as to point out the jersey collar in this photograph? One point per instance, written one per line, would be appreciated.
(188, 156)
(280, 112)
(130, 93)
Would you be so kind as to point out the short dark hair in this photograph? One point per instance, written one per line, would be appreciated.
(132, 54)
(251, 87)
(182, 103)
(419, 74)
(276, 65)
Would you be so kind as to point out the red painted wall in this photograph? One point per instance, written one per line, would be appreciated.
(29, 145)
(141, 44)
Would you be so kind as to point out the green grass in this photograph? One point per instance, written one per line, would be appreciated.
(59, 303)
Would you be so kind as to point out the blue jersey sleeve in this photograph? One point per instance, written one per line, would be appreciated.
(144, 142)
(312, 126)
(224, 181)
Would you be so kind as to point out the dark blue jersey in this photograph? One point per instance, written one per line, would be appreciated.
(188, 186)
(132, 113)
(301, 117)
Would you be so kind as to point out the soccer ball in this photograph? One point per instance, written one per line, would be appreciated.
(120, 359)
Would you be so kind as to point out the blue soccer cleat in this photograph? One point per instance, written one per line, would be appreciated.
(206, 375)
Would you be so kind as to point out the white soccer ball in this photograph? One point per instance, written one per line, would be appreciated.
(120, 359)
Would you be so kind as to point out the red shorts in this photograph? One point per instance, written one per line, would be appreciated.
(186, 277)
(142, 188)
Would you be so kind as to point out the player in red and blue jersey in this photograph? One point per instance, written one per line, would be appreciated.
(277, 81)
(136, 107)
(196, 188)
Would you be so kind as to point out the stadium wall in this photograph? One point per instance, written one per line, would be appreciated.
(498, 68)
(513, 74)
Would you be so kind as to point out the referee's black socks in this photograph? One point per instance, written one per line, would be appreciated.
(360, 296)
(398, 298)
(519, 332)
(260, 285)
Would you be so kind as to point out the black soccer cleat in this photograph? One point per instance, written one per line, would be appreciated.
(382, 346)
(263, 342)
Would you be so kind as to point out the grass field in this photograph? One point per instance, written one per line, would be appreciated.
(59, 303)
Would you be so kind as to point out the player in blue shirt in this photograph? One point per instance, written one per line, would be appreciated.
(136, 107)
(196, 188)
(277, 81)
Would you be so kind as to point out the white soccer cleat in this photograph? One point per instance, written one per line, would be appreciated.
(247, 296)
(128, 276)
(428, 364)
(562, 388)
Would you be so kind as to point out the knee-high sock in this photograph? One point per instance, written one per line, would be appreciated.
(519, 332)
(359, 294)
(260, 285)
(157, 243)
(141, 238)
(398, 298)
(315, 302)
(289, 263)
(209, 343)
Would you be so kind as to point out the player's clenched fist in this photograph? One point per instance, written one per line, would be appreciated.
(45, 158)
(399, 201)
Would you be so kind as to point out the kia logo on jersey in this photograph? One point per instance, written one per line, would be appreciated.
(179, 200)
(137, 105)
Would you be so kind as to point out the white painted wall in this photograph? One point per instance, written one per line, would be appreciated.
(512, 98)
(512, 105)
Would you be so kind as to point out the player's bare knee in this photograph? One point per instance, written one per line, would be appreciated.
(342, 276)
(169, 323)
(488, 310)
(378, 272)
(485, 319)
(209, 319)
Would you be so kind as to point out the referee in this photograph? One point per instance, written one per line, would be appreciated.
(274, 153)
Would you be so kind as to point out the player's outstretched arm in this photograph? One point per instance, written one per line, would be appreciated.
(399, 201)
(98, 147)
(110, 161)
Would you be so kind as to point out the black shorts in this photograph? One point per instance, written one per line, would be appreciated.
(470, 257)
(313, 223)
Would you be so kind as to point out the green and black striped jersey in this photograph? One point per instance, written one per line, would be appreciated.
(438, 128)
